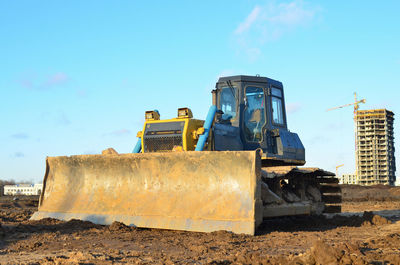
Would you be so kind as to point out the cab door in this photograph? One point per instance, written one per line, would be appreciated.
(226, 133)
(254, 116)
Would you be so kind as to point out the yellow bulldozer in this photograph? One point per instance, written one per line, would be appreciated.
(231, 171)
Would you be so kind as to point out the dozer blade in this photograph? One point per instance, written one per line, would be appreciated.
(195, 191)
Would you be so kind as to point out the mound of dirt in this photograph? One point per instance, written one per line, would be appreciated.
(322, 253)
(357, 193)
(118, 226)
(15, 215)
(43, 222)
(372, 219)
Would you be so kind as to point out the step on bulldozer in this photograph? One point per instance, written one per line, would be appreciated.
(231, 171)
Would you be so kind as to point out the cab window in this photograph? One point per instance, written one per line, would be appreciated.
(276, 100)
(228, 102)
(254, 115)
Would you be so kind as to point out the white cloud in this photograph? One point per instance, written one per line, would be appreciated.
(62, 119)
(56, 79)
(251, 18)
(26, 83)
(30, 81)
(269, 22)
(58, 118)
(293, 107)
(291, 14)
(19, 154)
(20, 136)
(82, 93)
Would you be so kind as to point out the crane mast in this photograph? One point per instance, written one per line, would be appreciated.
(356, 105)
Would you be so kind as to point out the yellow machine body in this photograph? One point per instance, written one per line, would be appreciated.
(189, 132)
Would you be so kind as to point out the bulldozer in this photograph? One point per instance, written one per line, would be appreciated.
(238, 167)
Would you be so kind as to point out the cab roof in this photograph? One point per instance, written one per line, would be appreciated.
(250, 79)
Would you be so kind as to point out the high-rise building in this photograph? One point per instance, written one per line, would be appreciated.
(375, 147)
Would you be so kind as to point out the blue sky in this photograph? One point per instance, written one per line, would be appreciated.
(77, 76)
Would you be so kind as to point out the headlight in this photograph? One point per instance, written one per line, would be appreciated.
(152, 115)
(185, 113)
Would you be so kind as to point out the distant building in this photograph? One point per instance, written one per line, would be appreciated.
(23, 189)
(348, 179)
(375, 147)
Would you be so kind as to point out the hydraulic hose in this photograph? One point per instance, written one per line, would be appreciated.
(207, 126)
(138, 146)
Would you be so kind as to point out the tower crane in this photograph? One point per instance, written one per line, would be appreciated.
(337, 167)
(356, 105)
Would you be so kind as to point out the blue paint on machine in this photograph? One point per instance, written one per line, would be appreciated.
(207, 126)
(138, 146)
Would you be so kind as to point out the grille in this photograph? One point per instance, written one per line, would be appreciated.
(159, 144)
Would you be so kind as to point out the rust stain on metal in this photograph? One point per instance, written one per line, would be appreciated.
(198, 191)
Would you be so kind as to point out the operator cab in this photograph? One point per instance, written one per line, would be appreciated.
(251, 115)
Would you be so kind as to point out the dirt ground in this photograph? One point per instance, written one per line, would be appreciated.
(357, 236)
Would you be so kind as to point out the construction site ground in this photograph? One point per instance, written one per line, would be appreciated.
(357, 236)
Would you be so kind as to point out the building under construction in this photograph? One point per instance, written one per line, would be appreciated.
(375, 147)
